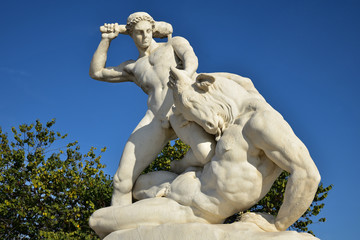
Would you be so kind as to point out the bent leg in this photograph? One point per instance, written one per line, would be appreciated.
(153, 211)
(142, 147)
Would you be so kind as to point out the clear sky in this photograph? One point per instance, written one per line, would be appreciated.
(303, 57)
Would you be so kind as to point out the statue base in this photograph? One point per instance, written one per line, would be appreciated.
(201, 231)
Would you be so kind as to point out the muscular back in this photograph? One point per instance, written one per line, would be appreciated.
(254, 145)
(239, 174)
(237, 177)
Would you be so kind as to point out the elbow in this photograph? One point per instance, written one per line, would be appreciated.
(96, 75)
(314, 180)
(309, 174)
(316, 177)
(313, 174)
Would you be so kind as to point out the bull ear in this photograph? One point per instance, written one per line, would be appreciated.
(204, 81)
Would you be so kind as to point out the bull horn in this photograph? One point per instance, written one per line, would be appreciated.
(178, 74)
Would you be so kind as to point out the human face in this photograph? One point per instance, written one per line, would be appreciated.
(142, 34)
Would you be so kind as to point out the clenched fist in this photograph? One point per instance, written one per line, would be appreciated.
(112, 30)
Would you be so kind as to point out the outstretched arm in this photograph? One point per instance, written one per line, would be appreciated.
(186, 54)
(272, 134)
(98, 70)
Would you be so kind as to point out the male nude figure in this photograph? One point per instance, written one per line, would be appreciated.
(255, 144)
(151, 73)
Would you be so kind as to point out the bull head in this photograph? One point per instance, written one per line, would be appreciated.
(179, 80)
(188, 92)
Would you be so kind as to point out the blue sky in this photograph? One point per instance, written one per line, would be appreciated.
(303, 57)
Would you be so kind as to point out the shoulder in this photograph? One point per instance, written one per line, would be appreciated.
(179, 42)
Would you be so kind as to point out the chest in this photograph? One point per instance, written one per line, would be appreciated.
(154, 68)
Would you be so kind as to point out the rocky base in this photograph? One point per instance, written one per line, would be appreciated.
(200, 231)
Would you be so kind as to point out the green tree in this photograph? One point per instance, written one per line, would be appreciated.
(48, 193)
(269, 204)
(169, 153)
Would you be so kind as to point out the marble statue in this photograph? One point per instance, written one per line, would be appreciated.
(239, 145)
(151, 73)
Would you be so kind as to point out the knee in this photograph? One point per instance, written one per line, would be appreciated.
(309, 175)
(124, 185)
(94, 221)
(96, 224)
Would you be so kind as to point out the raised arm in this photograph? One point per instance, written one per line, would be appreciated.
(186, 54)
(98, 70)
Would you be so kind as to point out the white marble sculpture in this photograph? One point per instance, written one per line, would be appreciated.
(151, 73)
(239, 146)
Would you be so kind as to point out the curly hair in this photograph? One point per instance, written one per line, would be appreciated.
(134, 18)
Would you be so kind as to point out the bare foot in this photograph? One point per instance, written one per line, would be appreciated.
(262, 220)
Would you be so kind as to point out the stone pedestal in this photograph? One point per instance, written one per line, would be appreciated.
(200, 231)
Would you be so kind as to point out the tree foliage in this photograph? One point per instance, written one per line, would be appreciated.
(48, 193)
(269, 204)
(168, 154)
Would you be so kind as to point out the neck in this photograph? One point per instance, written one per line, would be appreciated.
(146, 51)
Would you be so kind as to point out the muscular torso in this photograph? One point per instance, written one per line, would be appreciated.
(243, 174)
(239, 174)
(152, 75)
(237, 177)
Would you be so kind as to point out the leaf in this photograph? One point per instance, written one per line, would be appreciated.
(45, 196)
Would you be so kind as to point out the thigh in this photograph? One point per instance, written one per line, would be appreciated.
(142, 147)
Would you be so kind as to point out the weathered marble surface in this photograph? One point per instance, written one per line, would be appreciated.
(239, 145)
(200, 231)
